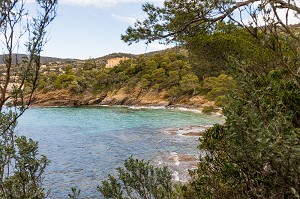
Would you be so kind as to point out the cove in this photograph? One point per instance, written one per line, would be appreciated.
(86, 144)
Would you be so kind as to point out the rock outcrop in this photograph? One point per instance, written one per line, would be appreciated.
(134, 97)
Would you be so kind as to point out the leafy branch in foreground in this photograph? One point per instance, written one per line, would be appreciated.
(75, 193)
(139, 179)
(21, 167)
(28, 170)
(179, 19)
(255, 154)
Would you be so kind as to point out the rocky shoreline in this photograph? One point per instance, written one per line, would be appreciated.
(195, 131)
(62, 98)
(181, 163)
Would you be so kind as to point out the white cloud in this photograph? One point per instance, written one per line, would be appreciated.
(158, 46)
(130, 20)
(105, 3)
(293, 16)
(292, 19)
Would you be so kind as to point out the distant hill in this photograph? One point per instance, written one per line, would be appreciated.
(43, 59)
(103, 59)
(119, 54)
(116, 55)
(175, 49)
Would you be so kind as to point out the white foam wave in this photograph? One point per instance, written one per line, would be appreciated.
(175, 176)
(146, 107)
(184, 131)
(174, 156)
(187, 109)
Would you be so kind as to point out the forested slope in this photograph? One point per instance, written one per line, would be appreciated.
(163, 79)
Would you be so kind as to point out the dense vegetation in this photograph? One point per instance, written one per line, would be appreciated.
(139, 179)
(170, 72)
(255, 154)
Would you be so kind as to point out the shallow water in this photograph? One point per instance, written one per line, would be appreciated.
(86, 144)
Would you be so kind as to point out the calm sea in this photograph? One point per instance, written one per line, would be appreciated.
(86, 144)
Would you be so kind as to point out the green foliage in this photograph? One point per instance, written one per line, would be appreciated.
(255, 154)
(218, 87)
(145, 82)
(207, 109)
(173, 79)
(189, 83)
(157, 72)
(27, 172)
(211, 53)
(63, 81)
(75, 193)
(74, 87)
(89, 65)
(172, 93)
(138, 179)
(21, 167)
(221, 101)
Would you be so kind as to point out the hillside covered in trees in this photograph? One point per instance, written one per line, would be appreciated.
(165, 78)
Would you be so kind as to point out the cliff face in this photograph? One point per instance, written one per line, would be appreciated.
(135, 97)
(55, 98)
(115, 61)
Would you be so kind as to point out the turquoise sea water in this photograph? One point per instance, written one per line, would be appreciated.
(86, 144)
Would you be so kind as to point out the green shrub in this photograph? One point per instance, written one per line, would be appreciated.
(138, 179)
(255, 154)
(26, 181)
(45, 90)
(221, 101)
(207, 109)
(218, 86)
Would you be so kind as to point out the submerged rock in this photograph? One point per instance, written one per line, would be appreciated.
(195, 131)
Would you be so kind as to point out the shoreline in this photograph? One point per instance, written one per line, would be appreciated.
(133, 100)
(140, 107)
(180, 162)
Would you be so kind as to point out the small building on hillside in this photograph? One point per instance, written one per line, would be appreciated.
(115, 61)
(43, 67)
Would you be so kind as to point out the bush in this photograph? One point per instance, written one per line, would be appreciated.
(207, 109)
(221, 101)
(172, 93)
(26, 181)
(218, 86)
(138, 179)
(255, 154)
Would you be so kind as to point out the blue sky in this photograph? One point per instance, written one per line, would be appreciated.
(92, 28)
